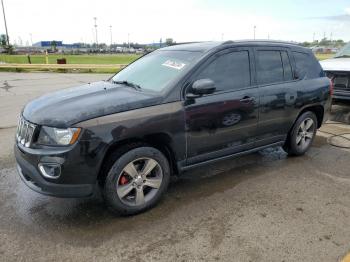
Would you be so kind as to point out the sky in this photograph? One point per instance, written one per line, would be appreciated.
(183, 20)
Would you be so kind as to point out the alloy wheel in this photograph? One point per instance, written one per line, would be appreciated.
(305, 133)
(139, 181)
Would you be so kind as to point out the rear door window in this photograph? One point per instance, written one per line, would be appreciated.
(269, 67)
(307, 66)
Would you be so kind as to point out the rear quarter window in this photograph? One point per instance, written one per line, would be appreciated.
(307, 65)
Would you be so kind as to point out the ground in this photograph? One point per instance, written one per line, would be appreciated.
(261, 207)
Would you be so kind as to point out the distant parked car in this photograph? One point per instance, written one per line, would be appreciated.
(338, 69)
(174, 109)
(139, 51)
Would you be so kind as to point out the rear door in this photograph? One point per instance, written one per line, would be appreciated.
(278, 93)
(224, 122)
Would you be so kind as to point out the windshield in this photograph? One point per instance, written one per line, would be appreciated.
(158, 69)
(344, 52)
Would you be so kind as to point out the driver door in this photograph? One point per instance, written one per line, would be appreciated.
(224, 122)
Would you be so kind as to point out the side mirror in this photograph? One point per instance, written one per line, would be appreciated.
(201, 87)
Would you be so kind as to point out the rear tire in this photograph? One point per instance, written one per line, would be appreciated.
(302, 134)
(136, 181)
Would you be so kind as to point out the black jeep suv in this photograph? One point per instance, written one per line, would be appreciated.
(171, 110)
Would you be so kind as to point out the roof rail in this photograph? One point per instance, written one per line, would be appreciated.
(261, 40)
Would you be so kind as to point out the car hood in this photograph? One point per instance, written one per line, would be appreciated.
(336, 64)
(70, 106)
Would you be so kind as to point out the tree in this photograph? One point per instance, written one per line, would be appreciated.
(306, 44)
(102, 46)
(53, 45)
(3, 41)
(3, 44)
(169, 41)
(325, 42)
(339, 43)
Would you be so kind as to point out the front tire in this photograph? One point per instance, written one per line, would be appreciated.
(136, 181)
(302, 134)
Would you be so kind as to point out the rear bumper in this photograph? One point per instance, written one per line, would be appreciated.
(35, 181)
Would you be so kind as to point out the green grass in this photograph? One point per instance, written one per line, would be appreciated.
(323, 56)
(71, 59)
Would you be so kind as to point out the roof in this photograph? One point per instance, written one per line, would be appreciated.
(197, 46)
(206, 46)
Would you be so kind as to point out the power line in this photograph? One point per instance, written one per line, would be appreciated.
(7, 34)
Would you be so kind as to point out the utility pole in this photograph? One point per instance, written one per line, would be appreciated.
(254, 31)
(110, 29)
(128, 40)
(7, 34)
(95, 18)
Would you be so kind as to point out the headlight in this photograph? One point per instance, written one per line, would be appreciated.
(56, 136)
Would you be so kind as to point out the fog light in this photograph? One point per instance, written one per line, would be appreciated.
(50, 170)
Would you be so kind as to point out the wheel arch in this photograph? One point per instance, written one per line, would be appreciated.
(161, 141)
(318, 110)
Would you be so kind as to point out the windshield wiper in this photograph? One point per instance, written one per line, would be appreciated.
(127, 83)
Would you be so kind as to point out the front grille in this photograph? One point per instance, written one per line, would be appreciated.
(25, 132)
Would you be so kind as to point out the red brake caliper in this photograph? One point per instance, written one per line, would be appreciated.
(123, 180)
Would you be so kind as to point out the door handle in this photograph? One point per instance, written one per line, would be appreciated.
(247, 99)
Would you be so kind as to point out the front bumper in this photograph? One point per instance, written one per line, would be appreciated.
(30, 175)
(341, 95)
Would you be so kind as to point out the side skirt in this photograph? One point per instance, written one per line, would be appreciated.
(184, 168)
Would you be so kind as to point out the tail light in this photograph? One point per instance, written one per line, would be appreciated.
(331, 87)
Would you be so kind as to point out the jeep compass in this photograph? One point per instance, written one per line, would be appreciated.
(174, 109)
